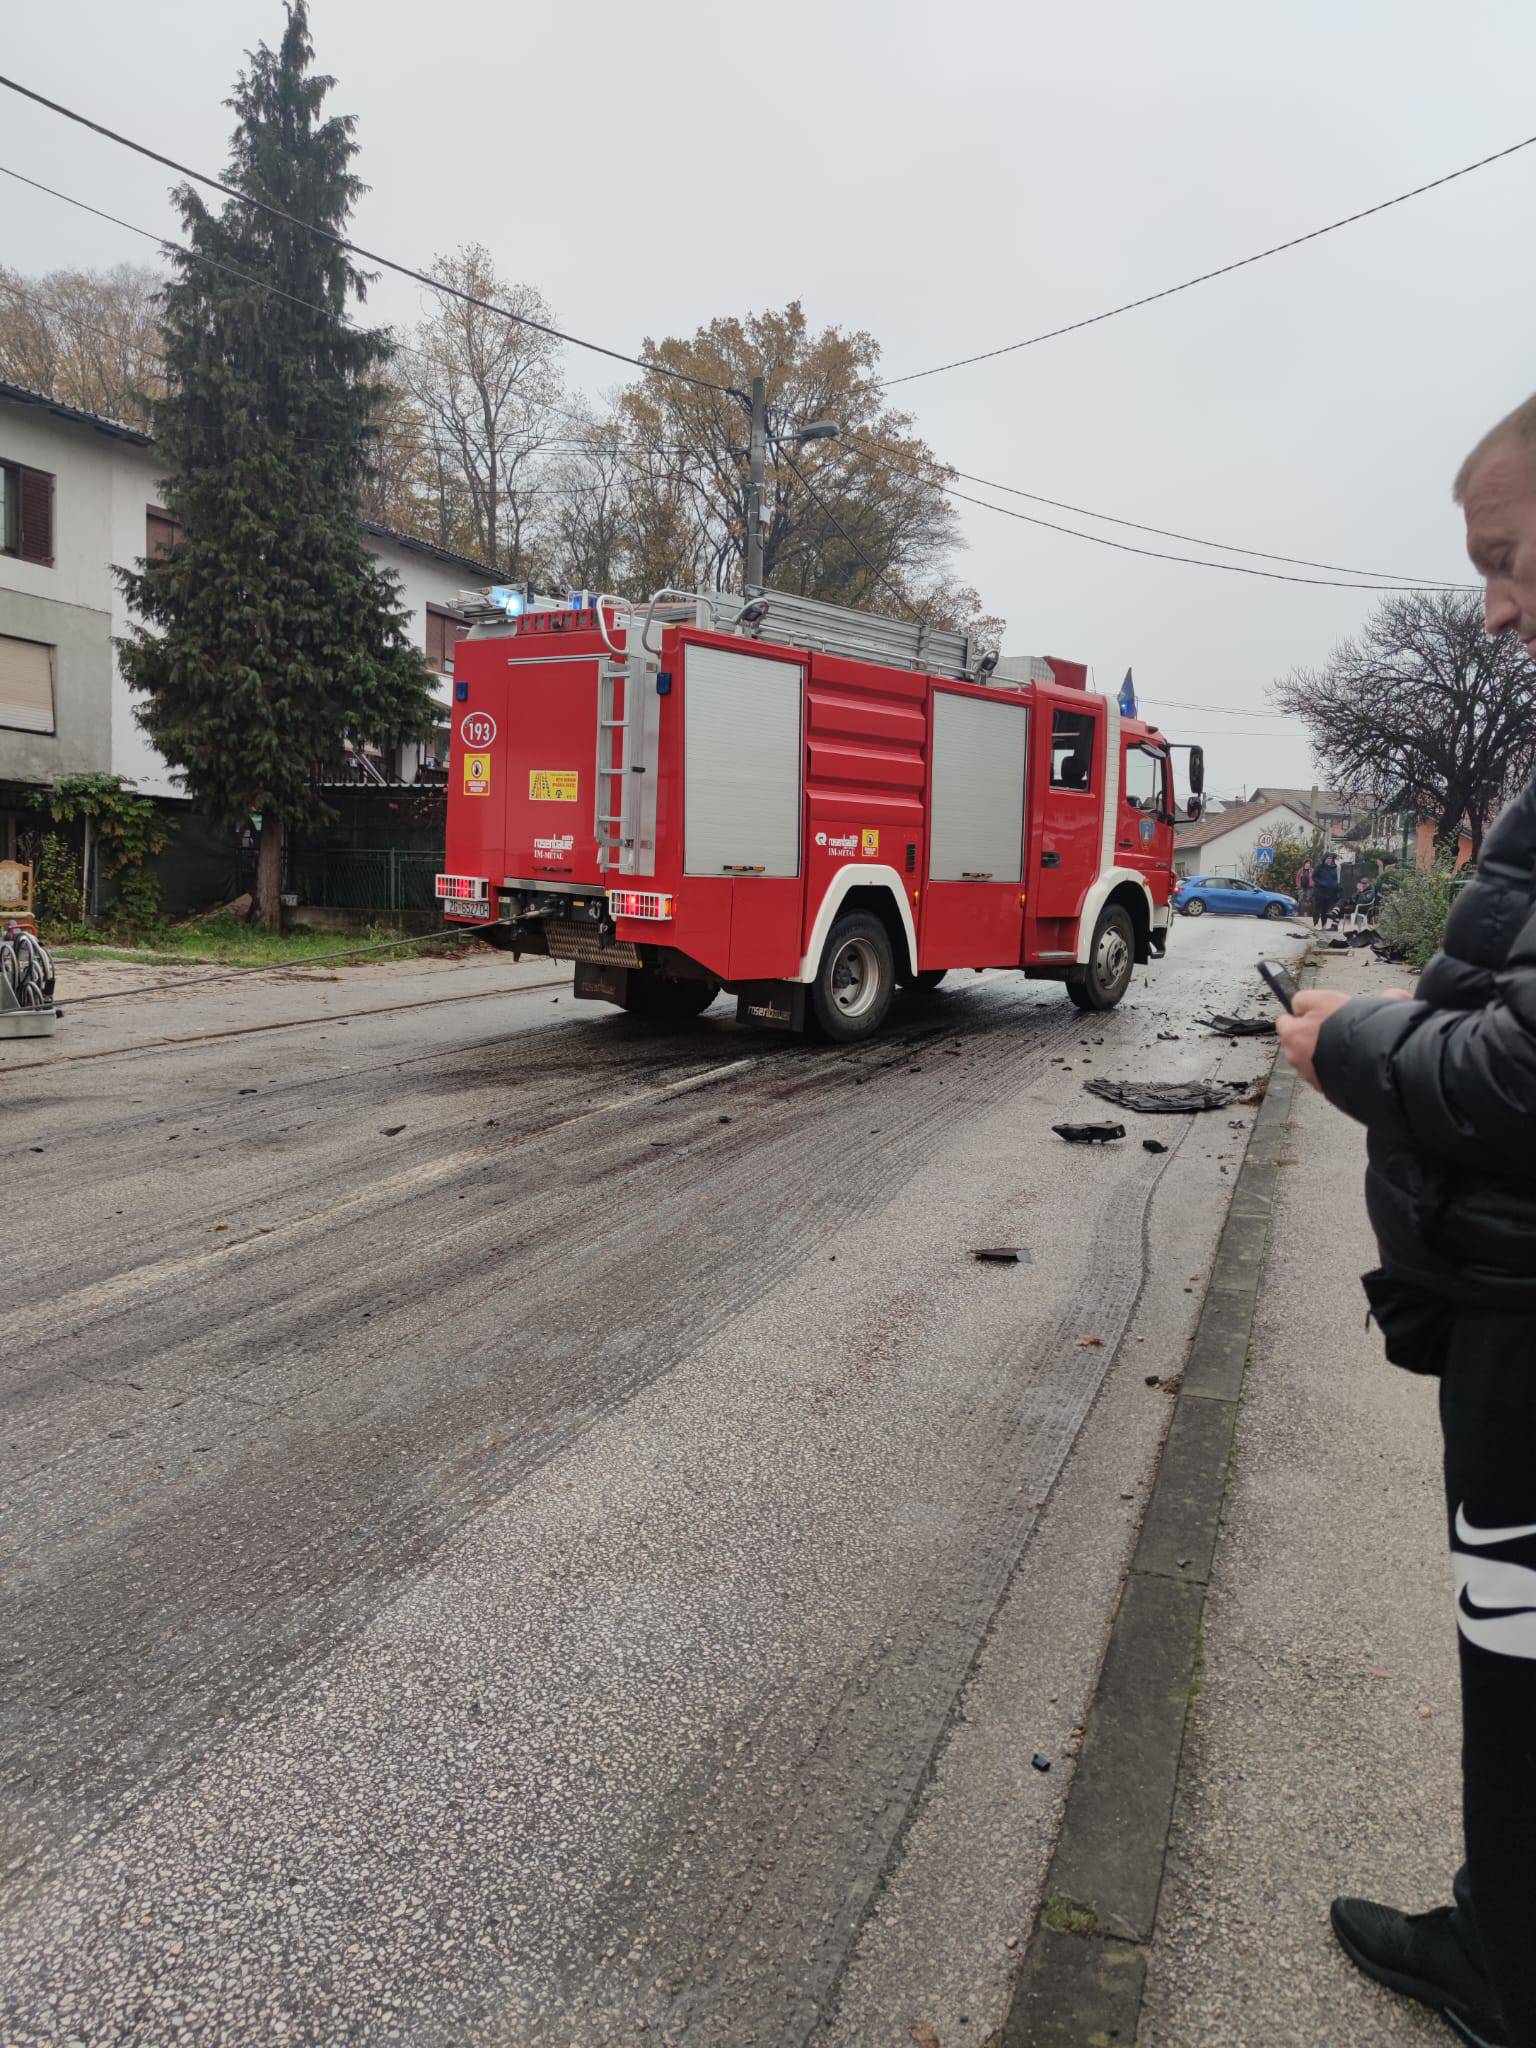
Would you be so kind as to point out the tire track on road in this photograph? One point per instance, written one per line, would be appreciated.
(286, 1546)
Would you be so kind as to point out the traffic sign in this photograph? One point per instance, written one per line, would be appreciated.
(1266, 838)
(1263, 855)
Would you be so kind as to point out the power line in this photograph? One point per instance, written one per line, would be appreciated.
(1205, 276)
(900, 453)
(1226, 710)
(262, 284)
(1225, 546)
(421, 277)
(1125, 547)
(397, 347)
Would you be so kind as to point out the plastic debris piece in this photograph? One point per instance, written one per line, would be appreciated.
(391, 1130)
(1041, 1763)
(1090, 1343)
(1004, 1255)
(1167, 1098)
(1240, 1027)
(1089, 1134)
(1153, 1145)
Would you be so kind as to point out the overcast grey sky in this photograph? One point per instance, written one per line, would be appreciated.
(953, 177)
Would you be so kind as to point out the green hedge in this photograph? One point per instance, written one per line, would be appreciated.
(1414, 906)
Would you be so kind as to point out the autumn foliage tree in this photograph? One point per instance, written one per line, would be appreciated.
(861, 519)
(89, 338)
(1422, 711)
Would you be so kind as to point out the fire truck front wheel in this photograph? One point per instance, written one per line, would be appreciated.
(919, 983)
(1110, 960)
(856, 979)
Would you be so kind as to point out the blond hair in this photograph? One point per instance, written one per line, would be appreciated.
(1517, 427)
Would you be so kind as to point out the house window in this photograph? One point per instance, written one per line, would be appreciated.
(26, 513)
(162, 533)
(26, 685)
(443, 632)
(1072, 749)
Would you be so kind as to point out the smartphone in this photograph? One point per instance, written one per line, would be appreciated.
(1281, 986)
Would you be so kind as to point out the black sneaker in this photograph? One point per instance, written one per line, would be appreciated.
(1422, 1955)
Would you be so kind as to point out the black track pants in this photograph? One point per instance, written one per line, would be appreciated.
(1488, 1413)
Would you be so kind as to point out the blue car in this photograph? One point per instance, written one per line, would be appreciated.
(1196, 894)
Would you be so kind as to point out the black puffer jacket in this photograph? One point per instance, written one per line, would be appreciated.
(1446, 1087)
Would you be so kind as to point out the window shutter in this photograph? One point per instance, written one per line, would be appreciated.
(162, 534)
(26, 685)
(36, 495)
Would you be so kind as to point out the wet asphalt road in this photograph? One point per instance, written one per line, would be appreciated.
(477, 1569)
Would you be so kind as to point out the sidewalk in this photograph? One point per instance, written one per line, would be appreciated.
(1275, 1720)
(1321, 1752)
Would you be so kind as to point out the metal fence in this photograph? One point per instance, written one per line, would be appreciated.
(360, 878)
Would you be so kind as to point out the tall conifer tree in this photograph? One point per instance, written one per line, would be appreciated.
(271, 636)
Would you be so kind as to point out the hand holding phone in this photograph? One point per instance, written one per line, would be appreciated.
(1281, 985)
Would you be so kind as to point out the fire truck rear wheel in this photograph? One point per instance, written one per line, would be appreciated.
(856, 979)
(1111, 958)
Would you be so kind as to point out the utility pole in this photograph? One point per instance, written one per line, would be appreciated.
(757, 456)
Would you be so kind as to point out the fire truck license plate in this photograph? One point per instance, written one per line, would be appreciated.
(467, 910)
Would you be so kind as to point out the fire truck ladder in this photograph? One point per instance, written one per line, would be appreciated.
(612, 784)
(624, 825)
(792, 621)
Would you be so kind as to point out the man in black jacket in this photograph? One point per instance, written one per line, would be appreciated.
(1325, 889)
(1445, 1083)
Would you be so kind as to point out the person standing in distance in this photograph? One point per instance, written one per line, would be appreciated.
(1445, 1083)
(1304, 884)
(1325, 889)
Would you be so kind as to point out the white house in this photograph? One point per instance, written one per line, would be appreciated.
(1223, 842)
(78, 494)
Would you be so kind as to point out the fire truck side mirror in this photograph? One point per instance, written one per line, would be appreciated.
(1194, 807)
(1197, 771)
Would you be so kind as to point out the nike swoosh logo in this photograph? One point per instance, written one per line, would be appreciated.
(1496, 1604)
(1466, 1533)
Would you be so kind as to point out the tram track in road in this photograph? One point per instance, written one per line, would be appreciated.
(114, 1052)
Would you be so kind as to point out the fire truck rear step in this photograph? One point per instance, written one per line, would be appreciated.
(568, 940)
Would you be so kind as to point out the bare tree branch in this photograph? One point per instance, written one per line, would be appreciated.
(1422, 711)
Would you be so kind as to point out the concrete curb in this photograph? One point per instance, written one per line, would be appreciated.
(1080, 1984)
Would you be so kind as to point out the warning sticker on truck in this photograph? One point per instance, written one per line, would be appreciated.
(552, 785)
(871, 844)
(477, 774)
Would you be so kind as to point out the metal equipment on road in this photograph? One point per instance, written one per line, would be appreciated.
(26, 985)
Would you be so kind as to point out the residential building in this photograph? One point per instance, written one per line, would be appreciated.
(1327, 808)
(1224, 842)
(78, 494)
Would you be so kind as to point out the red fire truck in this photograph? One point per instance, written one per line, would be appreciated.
(804, 805)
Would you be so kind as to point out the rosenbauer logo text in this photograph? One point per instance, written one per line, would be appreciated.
(850, 845)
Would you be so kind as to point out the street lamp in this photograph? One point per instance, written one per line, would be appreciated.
(757, 455)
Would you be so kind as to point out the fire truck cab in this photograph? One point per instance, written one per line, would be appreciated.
(806, 806)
